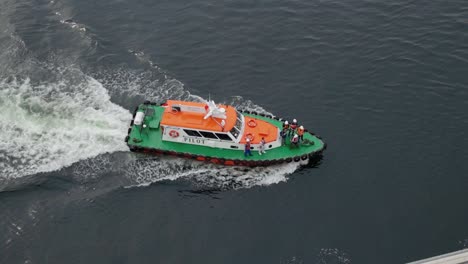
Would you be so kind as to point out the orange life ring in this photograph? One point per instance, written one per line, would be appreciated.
(249, 136)
(173, 133)
(252, 123)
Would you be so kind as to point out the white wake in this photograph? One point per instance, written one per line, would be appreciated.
(46, 127)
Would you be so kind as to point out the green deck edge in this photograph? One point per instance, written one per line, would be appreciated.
(150, 137)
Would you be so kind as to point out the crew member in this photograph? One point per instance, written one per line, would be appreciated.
(247, 148)
(286, 125)
(295, 140)
(261, 147)
(283, 135)
(300, 133)
(292, 127)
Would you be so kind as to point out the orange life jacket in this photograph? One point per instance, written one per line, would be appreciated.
(300, 132)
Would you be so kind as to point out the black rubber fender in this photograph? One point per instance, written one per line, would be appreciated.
(278, 161)
(304, 157)
(272, 162)
(126, 138)
(134, 148)
(243, 163)
(297, 159)
(288, 160)
(252, 163)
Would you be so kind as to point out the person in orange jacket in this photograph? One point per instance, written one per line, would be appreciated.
(300, 133)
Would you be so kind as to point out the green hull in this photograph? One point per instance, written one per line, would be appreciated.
(149, 140)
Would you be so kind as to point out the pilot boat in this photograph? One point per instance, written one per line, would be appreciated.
(216, 133)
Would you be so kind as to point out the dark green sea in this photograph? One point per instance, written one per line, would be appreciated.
(385, 83)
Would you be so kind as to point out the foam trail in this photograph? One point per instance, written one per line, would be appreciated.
(46, 127)
(150, 85)
(240, 103)
(333, 255)
(52, 114)
(145, 170)
(65, 15)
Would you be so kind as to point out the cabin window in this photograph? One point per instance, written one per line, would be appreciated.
(223, 136)
(234, 131)
(208, 134)
(192, 133)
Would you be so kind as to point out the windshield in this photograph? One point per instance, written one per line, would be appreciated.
(235, 131)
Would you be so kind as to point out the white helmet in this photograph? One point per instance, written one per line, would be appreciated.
(301, 127)
(294, 120)
(286, 122)
(248, 140)
(295, 135)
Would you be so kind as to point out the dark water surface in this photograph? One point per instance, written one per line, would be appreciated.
(384, 82)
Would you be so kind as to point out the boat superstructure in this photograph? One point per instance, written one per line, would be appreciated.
(216, 126)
